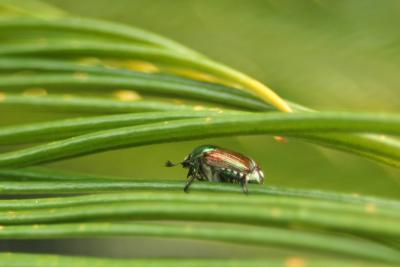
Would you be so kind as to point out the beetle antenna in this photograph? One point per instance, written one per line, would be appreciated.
(170, 164)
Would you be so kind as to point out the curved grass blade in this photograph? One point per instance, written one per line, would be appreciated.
(40, 260)
(38, 180)
(268, 199)
(380, 148)
(234, 234)
(43, 65)
(49, 175)
(191, 129)
(359, 223)
(44, 174)
(112, 30)
(94, 82)
(75, 103)
(54, 130)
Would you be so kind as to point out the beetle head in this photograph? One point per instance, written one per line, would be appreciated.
(186, 163)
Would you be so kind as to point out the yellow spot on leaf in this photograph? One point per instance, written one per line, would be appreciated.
(2, 96)
(35, 226)
(208, 119)
(275, 212)
(218, 110)
(135, 65)
(179, 101)
(370, 208)
(127, 95)
(198, 108)
(295, 262)
(81, 76)
(67, 97)
(197, 75)
(90, 61)
(141, 66)
(1, 227)
(82, 227)
(35, 92)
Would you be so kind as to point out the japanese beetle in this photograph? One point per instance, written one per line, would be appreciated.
(215, 164)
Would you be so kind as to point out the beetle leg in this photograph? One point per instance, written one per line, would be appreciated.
(244, 183)
(196, 170)
(202, 172)
(191, 176)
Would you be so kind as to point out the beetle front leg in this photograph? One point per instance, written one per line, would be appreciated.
(191, 178)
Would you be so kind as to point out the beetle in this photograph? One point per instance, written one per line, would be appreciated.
(214, 164)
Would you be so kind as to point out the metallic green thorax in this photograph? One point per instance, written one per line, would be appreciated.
(200, 150)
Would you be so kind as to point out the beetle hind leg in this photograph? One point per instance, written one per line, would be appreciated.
(244, 183)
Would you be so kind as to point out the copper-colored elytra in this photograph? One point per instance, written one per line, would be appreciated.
(222, 158)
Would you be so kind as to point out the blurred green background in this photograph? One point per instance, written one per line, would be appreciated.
(328, 55)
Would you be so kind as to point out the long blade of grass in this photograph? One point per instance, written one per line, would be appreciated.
(40, 260)
(269, 123)
(360, 223)
(111, 30)
(234, 234)
(16, 64)
(106, 184)
(380, 148)
(384, 207)
(55, 130)
(92, 82)
(38, 180)
(75, 103)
